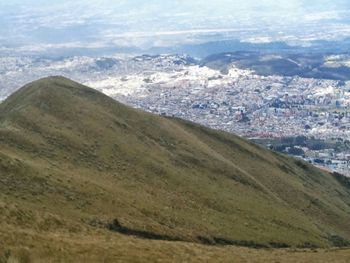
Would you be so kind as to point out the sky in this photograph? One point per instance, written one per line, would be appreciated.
(147, 23)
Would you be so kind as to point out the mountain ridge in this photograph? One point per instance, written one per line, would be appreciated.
(85, 162)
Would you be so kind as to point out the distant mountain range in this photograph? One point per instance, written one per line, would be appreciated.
(208, 48)
(306, 65)
(78, 170)
(199, 49)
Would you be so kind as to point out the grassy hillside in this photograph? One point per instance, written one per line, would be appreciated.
(77, 167)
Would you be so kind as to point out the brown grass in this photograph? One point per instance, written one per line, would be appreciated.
(73, 161)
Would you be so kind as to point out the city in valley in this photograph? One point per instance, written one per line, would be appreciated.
(303, 116)
(175, 131)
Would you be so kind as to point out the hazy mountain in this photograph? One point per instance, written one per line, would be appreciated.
(45, 25)
(79, 171)
(306, 65)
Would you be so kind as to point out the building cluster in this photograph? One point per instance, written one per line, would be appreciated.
(237, 101)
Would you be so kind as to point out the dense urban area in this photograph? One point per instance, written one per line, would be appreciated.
(305, 117)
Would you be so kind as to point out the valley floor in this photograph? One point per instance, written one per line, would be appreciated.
(30, 246)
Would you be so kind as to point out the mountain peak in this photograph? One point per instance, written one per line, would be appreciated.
(54, 92)
(59, 83)
(90, 159)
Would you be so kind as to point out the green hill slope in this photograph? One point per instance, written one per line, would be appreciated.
(73, 160)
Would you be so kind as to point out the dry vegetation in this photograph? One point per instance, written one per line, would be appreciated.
(26, 246)
(84, 178)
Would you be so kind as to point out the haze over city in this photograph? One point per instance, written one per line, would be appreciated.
(145, 24)
(175, 131)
